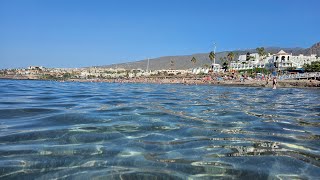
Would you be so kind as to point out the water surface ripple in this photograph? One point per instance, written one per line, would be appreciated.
(72, 130)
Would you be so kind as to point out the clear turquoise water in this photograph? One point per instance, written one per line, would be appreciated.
(75, 130)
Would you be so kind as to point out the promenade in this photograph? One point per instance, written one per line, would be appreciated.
(298, 76)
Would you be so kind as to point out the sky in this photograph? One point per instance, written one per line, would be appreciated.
(82, 33)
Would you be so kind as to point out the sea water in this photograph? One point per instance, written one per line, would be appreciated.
(75, 130)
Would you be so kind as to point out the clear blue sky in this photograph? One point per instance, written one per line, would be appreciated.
(77, 33)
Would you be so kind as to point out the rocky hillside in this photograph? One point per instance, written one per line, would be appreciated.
(184, 62)
(315, 49)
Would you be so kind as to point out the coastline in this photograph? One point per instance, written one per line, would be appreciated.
(195, 81)
(281, 84)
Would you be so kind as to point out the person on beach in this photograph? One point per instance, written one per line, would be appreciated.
(274, 83)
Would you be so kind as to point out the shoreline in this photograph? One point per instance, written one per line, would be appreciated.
(231, 83)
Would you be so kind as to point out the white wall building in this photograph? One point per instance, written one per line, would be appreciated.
(250, 61)
(36, 68)
(281, 61)
(174, 72)
(216, 67)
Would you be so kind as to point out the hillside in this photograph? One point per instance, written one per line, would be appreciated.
(184, 61)
(315, 49)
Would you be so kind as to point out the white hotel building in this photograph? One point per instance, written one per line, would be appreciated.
(280, 61)
(283, 60)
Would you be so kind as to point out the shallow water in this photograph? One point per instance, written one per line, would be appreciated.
(147, 131)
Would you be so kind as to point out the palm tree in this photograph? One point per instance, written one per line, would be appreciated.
(212, 56)
(225, 58)
(171, 63)
(194, 60)
(230, 56)
(261, 51)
